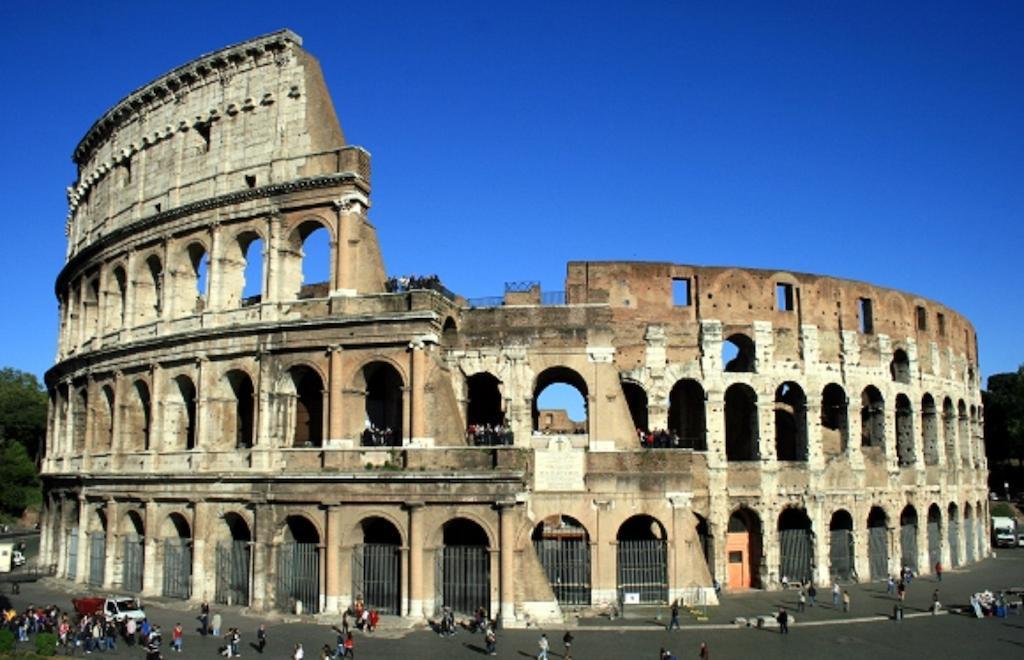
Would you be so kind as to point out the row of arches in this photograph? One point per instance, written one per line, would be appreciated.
(183, 279)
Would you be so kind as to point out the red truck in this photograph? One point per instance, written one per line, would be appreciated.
(117, 608)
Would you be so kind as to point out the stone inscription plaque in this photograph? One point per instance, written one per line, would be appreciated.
(560, 467)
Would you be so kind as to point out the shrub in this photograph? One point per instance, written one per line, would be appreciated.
(6, 641)
(46, 644)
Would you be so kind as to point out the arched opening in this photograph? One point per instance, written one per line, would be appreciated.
(934, 535)
(80, 419)
(133, 555)
(298, 566)
(308, 390)
(707, 542)
(137, 419)
(91, 305)
(485, 415)
(180, 412)
(240, 420)
(97, 550)
(177, 579)
(872, 419)
(908, 539)
(953, 535)
(449, 333)
(739, 354)
(878, 543)
(743, 549)
(191, 280)
(970, 533)
(105, 425)
(949, 431)
(234, 562)
(900, 367)
(562, 545)
(117, 301)
(642, 545)
(930, 430)
(247, 274)
(377, 566)
(835, 426)
(306, 263)
(841, 546)
(904, 431)
(790, 423)
(796, 546)
(741, 433)
(636, 400)
(963, 434)
(383, 405)
(686, 414)
(560, 402)
(465, 567)
(148, 290)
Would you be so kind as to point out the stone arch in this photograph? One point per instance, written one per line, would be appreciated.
(303, 392)
(80, 419)
(137, 421)
(191, 283)
(835, 424)
(376, 564)
(741, 425)
(969, 533)
(790, 422)
(180, 412)
(133, 530)
(237, 525)
(636, 401)
(446, 533)
(908, 538)
(91, 305)
(148, 285)
(465, 565)
(934, 535)
(953, 524)
(642, 558)
(841, 545)
(796, 545)
(929, 430)
(299, 541)
(117, 298)
(378, 526)
(739, 354)
(878, 542)
(485, 405)
(872, 417)
(449, 332)
(175, 525)
(963, 432)
(949, 431)
(106, 411)
(687, 414)
(565, 376)
(239, 420)
(743, 549)
(899, 367)
(384, 404)
(242, 268)
(293, 260)
(562, 545)
(299, 527)
(905, 449)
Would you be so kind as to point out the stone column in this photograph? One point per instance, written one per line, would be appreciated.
(416, 540)
(815, 456)
(152, 571)
(766, 430)
(819, 524)
(113, 519)
(507, 606)
(604, 582)
(417, 368)
(59, 523)
(116, 442)
(272, 260)
(333, 552)
(82, 558)
(202, 588)
(336, 397)
(214, 271)
(260, 593)
(203, 414)
(156, 409)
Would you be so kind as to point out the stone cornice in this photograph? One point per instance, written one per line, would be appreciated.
(296, 185)
(178, 81)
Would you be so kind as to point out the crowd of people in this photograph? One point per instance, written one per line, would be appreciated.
(662, 439)
(378, 437)
(410, 282)
(489, 435)
(85, 634)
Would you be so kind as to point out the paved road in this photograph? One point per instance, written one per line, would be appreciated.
(821, 633)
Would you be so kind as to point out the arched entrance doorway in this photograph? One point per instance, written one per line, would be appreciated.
(383, 405)
(969, 533)
(464, 567)
(841, 546)
(953, 519)
(796, 549)
(177, 582)
(878, 543)
(563, 548)
(298, 566)
(908, 539)
(98, 550)
(642, 560)
(934, 536)
(234, 561)
(134, 541)
(707, 542)
(377, 566)
(743, 550)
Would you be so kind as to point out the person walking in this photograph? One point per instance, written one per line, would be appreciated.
(812, 593)
(705, 654)
(836, 595)
(491, 641)
(936, 605)
(216, 624)
(204, 619)
(800, 600)
(176, 637)
(349, 646)
(261, 637)
(298, 653)
(846, 600)
(938, 571)
(567, 643)
(542, 645)
(901, 591)
(674, 621)
(783, 619)
(890, 585)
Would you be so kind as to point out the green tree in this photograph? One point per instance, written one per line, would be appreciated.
(20, 481)
(23, 404)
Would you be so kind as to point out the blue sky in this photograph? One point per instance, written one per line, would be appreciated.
(875, 141)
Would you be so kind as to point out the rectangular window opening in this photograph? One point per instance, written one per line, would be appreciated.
(250, 180)
(681, 292)
(942, 324)
(204, 132)
(784, 297)
(864, 317)
(922, 318)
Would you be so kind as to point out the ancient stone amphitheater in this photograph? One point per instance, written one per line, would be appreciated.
(305, 444)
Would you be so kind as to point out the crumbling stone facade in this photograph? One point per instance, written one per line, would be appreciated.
(743, 425)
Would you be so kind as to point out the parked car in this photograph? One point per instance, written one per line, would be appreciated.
(17, 558)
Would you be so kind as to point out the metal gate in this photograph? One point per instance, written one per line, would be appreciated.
(795, 554)
(954, 541)
(878, 552)
(298, 577)
(376, 576)
(177, 568)
(969, 539)
(840, 554)
(133, 558)
(566, 563)
(934, 544)
(97, 558)
(233, 561)
(71, 568)
(465, 577)
(643, 569)
(908, 546)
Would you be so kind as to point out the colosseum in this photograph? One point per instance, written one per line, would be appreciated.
(308, 443)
